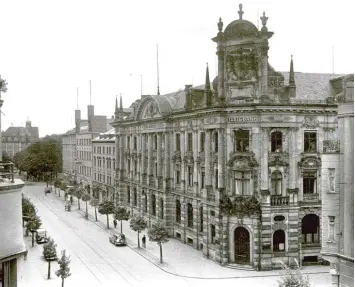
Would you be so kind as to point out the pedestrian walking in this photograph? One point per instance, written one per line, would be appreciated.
(143, 241)
(71, 199)
(25, 254)
(115, 223)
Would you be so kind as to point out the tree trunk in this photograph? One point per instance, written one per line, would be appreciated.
(59, 192)
(95, 214)
(108, 226)
(161, 252)
(121, 226)
(49, 269)
(33, 239)
(79, 203)
(86, 212)
(139, 246)
(62, 282)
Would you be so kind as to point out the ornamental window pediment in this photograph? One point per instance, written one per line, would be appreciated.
(150, 110)
(238, 162)
(310, 162)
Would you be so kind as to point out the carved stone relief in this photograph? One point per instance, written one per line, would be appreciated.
(310, 122)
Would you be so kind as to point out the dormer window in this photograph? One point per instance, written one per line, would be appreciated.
(276, 142)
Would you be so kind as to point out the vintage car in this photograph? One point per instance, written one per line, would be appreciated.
(118, 239)
(41, 236)
(47, 190)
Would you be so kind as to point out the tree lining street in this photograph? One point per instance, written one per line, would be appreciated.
(96, 262)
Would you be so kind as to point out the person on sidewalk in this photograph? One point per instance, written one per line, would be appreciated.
(25, 254)
(115, 223)
(143, 241)
(71, 199)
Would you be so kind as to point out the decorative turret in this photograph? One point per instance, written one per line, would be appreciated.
(208, 93)
(291, 82)
(116, 109)
(121, 109)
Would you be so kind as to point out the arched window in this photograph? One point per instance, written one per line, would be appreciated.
(145, 203)
(276, 141)
(310, 229)
(276, 182)
(177, 211)
(190, 216)
(278, 240)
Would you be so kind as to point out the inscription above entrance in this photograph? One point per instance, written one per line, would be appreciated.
(242, 119)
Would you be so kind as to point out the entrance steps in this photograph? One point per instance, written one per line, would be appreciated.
(240, 267)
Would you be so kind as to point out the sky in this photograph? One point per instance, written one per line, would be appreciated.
(51, 49)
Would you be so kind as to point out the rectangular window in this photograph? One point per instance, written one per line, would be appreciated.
(213, 233)
(242, 183)
(190, 172)
(153, 204)
(331, 183)
(135, 167)
(128, 196)
(177, 176)
(161, 208)
(135, 143)
(190, 217)
(202, 141)
(310, 141)
(177, 211)
(201, 219)
(202, 179)
(189, 142)
(310, 182)
(177, 142)
(216, 142)
(216, 178)
(331, 228)
(128, 142)
(155, 142)
(241, 141)
(135, 197)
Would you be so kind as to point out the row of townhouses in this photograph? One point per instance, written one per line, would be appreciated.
(253, 168)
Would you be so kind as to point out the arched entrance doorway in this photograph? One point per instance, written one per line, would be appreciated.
(241, 246)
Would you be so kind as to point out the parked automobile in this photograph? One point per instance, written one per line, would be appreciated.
(47, 190)
(118, 239)
(41, 235)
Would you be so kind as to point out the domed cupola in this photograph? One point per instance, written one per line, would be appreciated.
(240, 28)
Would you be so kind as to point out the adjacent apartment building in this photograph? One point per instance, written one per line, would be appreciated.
(235, 168)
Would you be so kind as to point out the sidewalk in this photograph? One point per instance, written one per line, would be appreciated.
(179, 259)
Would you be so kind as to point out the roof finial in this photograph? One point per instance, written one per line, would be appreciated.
(264, 21)
(220, 25)
(121, 106)
(240, 12)
(291, 80)
(207, 81)
(116, 106)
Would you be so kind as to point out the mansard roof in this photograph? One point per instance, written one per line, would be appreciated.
(311, 86)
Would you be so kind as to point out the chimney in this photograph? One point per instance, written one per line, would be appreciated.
(77, 120)
(90, 116)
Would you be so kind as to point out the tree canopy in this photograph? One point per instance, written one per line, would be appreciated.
(64, 269)
(40, 159)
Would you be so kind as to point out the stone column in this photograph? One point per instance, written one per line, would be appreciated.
(293, 158)
(182, 147)
(208, 178)
(167, 160)
(220, 54)
(195, 155)
(143, 160)
(150, 155)
(221, 164)
(264, 160)
(159, 157)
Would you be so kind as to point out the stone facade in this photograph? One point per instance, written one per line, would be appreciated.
(234, 169)
(16, 139)
(104, 164)
(69, 153)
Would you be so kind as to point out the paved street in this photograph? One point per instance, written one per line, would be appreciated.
(96, 262)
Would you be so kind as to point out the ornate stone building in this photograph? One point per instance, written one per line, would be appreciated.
(233, 169)
(16, 139)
